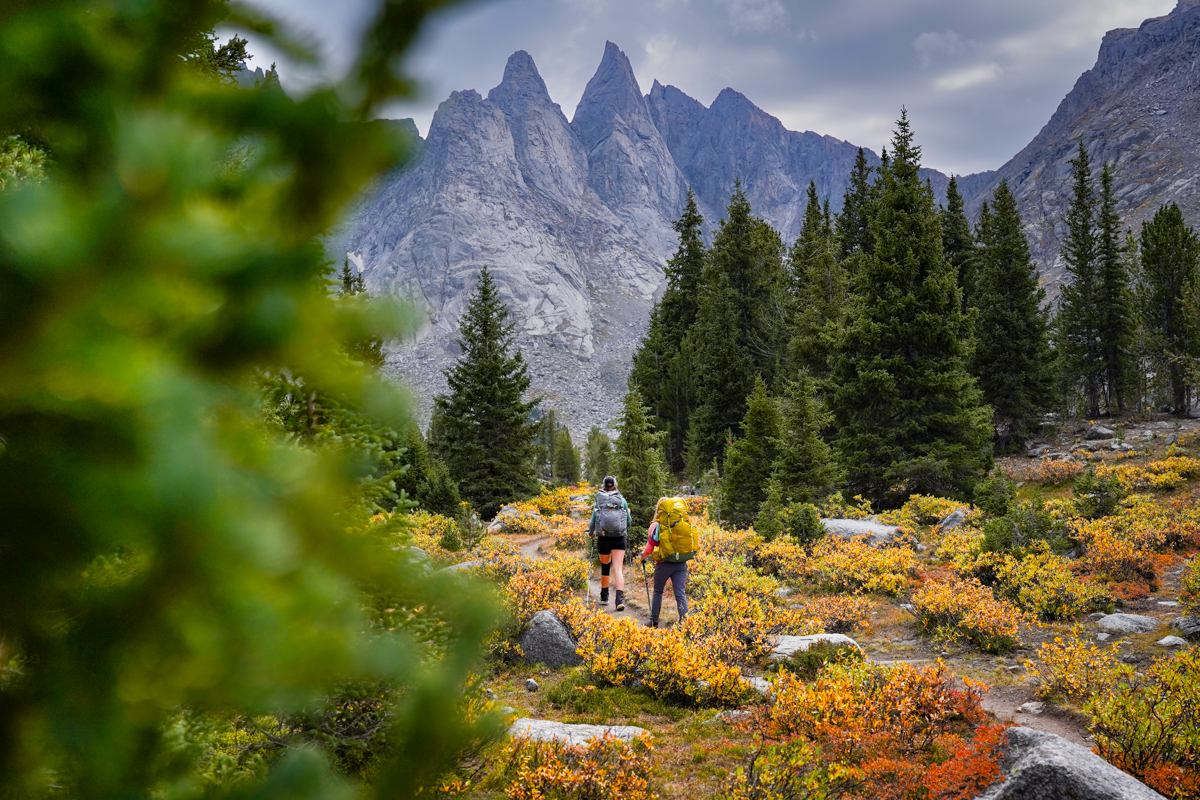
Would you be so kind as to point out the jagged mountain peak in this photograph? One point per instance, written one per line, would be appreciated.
(612, 89)
(521, 76)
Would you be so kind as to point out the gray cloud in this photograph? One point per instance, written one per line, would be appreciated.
(979, 78)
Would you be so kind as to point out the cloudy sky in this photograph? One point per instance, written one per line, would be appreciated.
(979, 77)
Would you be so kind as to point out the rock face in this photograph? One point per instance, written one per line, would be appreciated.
(875, 534)
(574, 218)
(544, 730)
(1138, 107)
(547, 641)
(787, 646)
(1128, 623)
(1043, 766)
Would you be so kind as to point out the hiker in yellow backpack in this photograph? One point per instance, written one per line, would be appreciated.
(671, 540)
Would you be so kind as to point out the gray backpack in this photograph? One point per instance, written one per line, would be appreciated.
(611, 518)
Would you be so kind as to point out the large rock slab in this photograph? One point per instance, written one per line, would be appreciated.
(1041, 766)
(788, 646)
(952, 520)
(1098, 433)
(1128, 623)
(547, 641)
(875, 534)
(1189, 626)
(545, 730)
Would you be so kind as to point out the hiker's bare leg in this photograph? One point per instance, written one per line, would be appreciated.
(603, 572)
(619, 569)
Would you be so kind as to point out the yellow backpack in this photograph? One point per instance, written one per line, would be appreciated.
(677, 539)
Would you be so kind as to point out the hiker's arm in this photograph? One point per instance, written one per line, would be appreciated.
(651, 540)
(628, 514)
(592, 524)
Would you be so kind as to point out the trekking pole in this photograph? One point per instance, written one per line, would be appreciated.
(646, 580)
(591, 566)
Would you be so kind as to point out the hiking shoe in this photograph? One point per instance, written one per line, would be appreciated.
(652, 623)
(604, 596)
(620, 600)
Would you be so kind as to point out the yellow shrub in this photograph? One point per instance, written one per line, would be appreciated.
(1074, 669)
(603, 768)
(568, 533)
(921, 511)
(967, 609)
(961, 548)
(854, 566)
(783, 559)
(557, 501)
(529, 521)
(1042, 583)
(1163, 475)
(718, 542)
(838, 614)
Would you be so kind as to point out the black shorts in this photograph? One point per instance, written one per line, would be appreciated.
(606, 544)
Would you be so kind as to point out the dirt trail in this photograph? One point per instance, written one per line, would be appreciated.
(636, 605)
(1004, 703)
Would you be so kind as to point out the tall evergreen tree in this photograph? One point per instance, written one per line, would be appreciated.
(368, 350)
(485, 437)
(854, 222)
(819, 287)
(1078, 324)
(958, 242)
(1012, 356)
(638, 462)
(748, 460)
(1115, 303)
(1170, 271)
(741, 327)
(910, 418)
(599, 454)
(566, 459)
(806, 468)
(660, 368)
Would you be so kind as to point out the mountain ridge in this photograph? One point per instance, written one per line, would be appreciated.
(574, 217)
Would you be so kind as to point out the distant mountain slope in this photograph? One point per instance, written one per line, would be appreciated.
(1139, 107)
(574, 218)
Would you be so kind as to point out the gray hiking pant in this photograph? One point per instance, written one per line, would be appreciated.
(677, 574)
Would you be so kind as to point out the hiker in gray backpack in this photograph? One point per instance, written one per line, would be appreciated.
(610, 525)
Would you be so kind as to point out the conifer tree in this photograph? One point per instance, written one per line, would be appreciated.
(1012, 356)
(741, 328)
(367, 350)
(1078, 323)
(854, 222)
(566, 459)
(958, 242)
(486, 439)
(599, 454)
(819, 289)
(1170, 258)
(638, 463)
(1115, 304)
(806, 468)
(660, 368)
(910, 418)
(748, 460)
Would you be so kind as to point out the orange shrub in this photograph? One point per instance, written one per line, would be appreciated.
(605, 768)
(1044, 471)
(838, 614)
(861, 730)
(967, 609)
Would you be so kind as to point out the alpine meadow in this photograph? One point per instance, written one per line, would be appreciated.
(345, 456)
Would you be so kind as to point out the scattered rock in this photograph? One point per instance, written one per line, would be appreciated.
(728, 717)
(1014, 669)
(506, 710)
(1032, 707)
(1121, 447)
(787, 646)
(547, 641)
(875, 534)
(473, 564)
(1189, 626)
(531, 685)
(1103, 637)
(1169, 603)
(489, 694)
(580, 499)
(760, 685)
(1172, 641)
(1042, 766)
(1098, 432)
(1128, 623)
(786, 591)
(1172, 439)
(1038, 451)
(952, 520)
(545, 730)
(909, 607)
(1097, 616)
